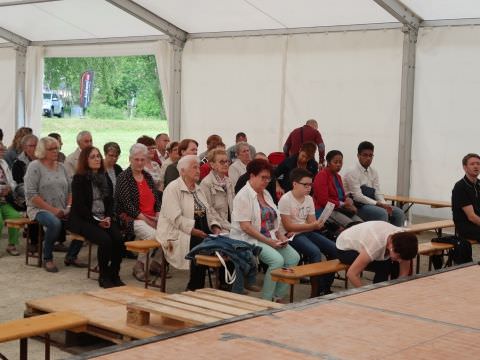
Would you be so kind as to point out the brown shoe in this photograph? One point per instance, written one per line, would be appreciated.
(50, 266)
(254, 288)
(138, 271)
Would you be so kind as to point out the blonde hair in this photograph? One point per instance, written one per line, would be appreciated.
(43, 143)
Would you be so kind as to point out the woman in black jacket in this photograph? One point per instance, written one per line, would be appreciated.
(92, 215)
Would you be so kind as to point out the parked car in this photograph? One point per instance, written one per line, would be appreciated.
(52, 104)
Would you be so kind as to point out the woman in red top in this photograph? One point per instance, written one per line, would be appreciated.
(328, 187)
(138, 204)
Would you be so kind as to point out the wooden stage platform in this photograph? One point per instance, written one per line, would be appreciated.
(431, 317)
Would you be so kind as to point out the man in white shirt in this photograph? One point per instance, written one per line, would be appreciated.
(239, 167)
(84, 139)
(161, 153)
(363, 183)
(376, 246)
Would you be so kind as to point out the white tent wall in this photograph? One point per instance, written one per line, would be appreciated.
(350, 82)
(446, 110)
(7, 93)
(231, 85)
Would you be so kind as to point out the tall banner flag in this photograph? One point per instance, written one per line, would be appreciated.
(86, 89)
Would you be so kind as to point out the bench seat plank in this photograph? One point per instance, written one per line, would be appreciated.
(41, 324)
(315, 269)
(432, 225)
(208, 260)
(142, 246)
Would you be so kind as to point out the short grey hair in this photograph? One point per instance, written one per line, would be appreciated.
(239, 145)
(27, 138)
(138, 148)
(43, 143)
(82, 134)
(185, 162)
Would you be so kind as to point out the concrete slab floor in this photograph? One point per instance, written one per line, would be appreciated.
(20, 283)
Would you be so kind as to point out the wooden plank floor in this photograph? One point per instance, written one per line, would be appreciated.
(427, 318)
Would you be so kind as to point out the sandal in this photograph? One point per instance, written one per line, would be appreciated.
(12, 250)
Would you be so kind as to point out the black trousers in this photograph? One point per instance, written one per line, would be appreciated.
(382, 269)
(197, 273)
(468, 231)
(110, 246)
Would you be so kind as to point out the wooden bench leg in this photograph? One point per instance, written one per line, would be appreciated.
(292, 287)
(417, 268)
(209, 278)
(89, 267)
(313, 286)
(217, 278)
(40, 245)
(163, 283)
(147, 269)
(47, 346)
(23, 349)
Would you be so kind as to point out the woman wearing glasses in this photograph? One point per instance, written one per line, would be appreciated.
(48, 194)
(218, 188)
(255, 219)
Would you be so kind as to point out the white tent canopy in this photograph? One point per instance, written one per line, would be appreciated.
(400, 73)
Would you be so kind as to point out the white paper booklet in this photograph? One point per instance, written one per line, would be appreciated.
(327, 212)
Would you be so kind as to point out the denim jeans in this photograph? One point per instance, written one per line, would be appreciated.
(53, 227)
(312, 245)
(373, 212)
(276, 258)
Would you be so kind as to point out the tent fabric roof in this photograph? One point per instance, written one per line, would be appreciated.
(51, 20)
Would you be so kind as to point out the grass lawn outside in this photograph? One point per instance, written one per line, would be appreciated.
(124, 132)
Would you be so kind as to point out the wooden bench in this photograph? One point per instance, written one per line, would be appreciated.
(78, 237)
(144, 247)
(400, 201)
(295, 273)
(22, 329)
(212, 262)
(198, 307)
(431, 248)
(20, 224)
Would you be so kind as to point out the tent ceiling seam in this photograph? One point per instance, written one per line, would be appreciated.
(271, 17)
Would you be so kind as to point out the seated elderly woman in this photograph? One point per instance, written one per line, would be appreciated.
(328, 187)
(47, 189)
(137, 205)
(218, 188)
(7, 186)
(185, 147)
(92, 215)
(185, 220)
(255, 219)
(112, 151)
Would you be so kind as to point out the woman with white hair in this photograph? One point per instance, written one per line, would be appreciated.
(48, 193)
(185, 220)
(138, 203)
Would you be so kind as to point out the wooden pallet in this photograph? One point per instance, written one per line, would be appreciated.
(107, 310)
(199, 307)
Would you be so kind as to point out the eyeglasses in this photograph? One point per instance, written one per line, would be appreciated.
(266, 178)
(223, 162)
(305, 184)
(52, 149)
